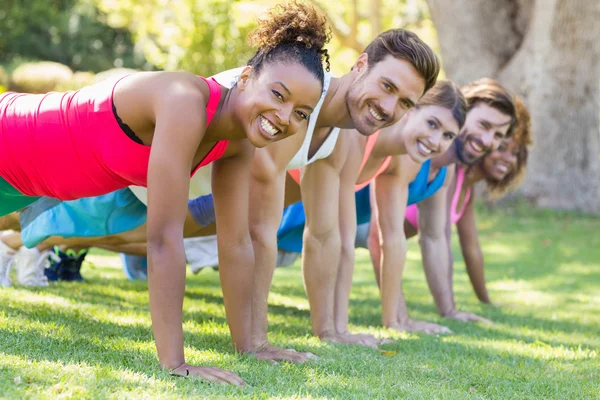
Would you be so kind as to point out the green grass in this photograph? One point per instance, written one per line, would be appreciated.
(93, 340)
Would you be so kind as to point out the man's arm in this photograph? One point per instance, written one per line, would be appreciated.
(267, 187)
(347, 228)
(320, 186)
(471, 250)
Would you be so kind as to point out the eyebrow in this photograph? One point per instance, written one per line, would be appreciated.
(395, 87)
(495, 125)
(290, 93)
(442, 125)
(284, 87)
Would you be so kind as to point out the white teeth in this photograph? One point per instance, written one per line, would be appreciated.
(375, 114)
(268, 127)
(502, 168)
(476, 146)
(423, 148)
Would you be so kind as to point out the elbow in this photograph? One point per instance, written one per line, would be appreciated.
(323, 239)
(263, 236)
(393, 239)
(431, 238)
(396, 245)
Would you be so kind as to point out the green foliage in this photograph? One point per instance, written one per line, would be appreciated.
(40, 77)
(77, 81)
(71, 32)
(199, 36)
(94, 339)
(3, 77)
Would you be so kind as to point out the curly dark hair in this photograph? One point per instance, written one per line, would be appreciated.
(522, 135)
(294, 31)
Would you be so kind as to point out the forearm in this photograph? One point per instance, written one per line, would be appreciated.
(392, 300)
(265, 255)
(320, 260)
(343, 286)
(236, 270)
(438, 270)
(475, 269)
(134, 249)
(166, 287)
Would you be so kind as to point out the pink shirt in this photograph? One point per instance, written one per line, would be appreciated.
(70, 145)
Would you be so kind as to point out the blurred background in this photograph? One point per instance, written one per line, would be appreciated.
(546, 51)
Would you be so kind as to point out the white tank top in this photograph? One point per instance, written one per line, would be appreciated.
(200, 182)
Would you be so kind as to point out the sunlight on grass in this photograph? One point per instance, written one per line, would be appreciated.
(535, 350)
(94, 339)
(525, 293)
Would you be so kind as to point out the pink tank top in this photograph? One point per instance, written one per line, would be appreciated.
(371, 140)
(412, 212)
(70, 145)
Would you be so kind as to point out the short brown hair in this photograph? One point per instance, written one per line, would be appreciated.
(523, 136)
(405, 45)
(448, 95)
(491, 92)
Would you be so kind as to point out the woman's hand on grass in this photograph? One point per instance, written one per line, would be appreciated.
(420, 327)
(466, 317)
(272, 353)
(211, 374)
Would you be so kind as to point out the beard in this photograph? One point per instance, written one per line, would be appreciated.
(463, 154)
(361, 122)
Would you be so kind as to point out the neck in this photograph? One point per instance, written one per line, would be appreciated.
(475, 174)
(334, 111)
(449, 157)
(225, 125)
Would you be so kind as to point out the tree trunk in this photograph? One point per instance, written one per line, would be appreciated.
(547, 52)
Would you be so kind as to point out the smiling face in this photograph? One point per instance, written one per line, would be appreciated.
(501, 162)
(382, 94)
(484, 129)
(429, 131)
(277, 102)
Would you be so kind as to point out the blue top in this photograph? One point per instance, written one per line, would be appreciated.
(289, 235)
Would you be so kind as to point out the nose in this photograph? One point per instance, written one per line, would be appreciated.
(488, 140)
(284, 115)
(509, 157)
(388, 105)
(435, 140)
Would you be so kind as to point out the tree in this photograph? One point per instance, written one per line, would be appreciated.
(546, 51)
(71, 32)
(199, 36)
(355, 23)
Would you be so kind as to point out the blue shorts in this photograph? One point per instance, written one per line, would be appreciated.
(289, 235)
(105, 215)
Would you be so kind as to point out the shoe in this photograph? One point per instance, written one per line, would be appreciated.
(30, 266)
(201, 252)
(53, 263)
(64, 266)
(134, 267)
(7, 256)
(72, 270)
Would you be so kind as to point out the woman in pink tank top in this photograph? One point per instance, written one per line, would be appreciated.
(155, 129)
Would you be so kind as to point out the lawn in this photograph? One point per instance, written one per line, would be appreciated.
(94, 340)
